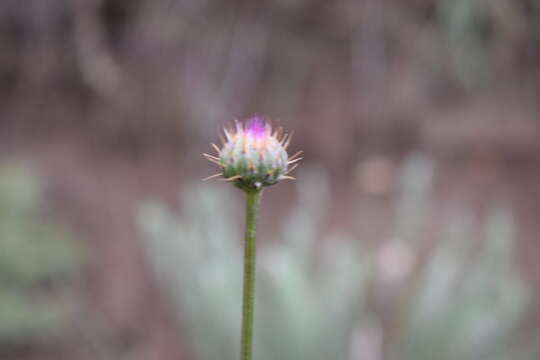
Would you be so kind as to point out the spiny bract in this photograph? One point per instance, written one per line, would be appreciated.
(253, 156)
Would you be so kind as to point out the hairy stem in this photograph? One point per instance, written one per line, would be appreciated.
(252, 204)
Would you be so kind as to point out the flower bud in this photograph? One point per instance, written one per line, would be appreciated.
(253, 156)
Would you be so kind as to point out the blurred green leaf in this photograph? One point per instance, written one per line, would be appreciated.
(36, 254)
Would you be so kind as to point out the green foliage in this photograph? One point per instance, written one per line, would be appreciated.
(468, 298)
(302, 308)
(36, 256)
(463, 301)
(463, 23)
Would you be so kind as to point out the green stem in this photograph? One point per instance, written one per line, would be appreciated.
(252, 204)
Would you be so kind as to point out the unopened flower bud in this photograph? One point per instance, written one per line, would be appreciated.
(253, 156)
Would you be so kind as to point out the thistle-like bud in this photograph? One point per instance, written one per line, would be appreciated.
(253, 156)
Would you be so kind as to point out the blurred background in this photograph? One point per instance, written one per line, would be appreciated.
(411, 232)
